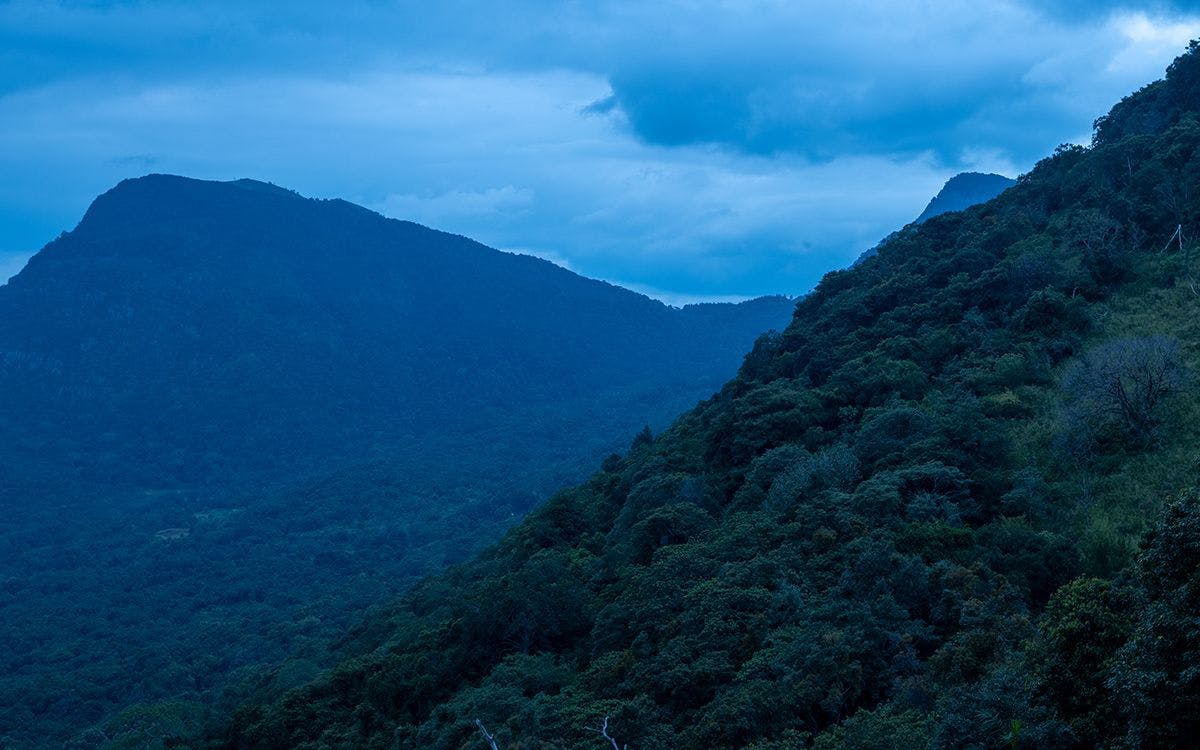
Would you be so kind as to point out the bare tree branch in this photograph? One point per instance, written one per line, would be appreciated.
(490, 739)
(1121, 387)
(1177, 235)
(603, 732)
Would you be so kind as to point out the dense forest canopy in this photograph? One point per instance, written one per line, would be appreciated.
(953, 505)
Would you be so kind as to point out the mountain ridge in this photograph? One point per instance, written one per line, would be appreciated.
(231, 416)
(314, 275)
(152, 188)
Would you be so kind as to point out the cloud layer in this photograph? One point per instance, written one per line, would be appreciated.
(689, 149)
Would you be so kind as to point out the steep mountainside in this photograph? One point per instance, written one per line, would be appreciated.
(911, 521)
(230, 417)
(965, 190)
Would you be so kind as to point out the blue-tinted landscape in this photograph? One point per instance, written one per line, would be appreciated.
(633, 376)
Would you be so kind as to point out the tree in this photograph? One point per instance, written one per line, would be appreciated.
(1099, 239)
(1118, 389)
(1084, 624)
(1156, 676)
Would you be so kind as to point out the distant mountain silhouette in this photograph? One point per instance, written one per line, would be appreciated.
(231, 416)
(960, 192)
(965, 190)
(207, 322)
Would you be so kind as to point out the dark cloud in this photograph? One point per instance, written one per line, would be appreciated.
(138, 161)
(1074, 10)
(871, 78)
(810, 115)
(602, 106)
(812, 78)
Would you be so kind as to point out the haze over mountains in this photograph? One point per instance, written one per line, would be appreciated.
(221, 403)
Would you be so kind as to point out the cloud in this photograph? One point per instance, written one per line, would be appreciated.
(139, 161)
(11, 264)
(1073, 10)
(490, 204)
(692, 220)
(602, 106)
(694, 149)
(860, 76)
(1149, 41)
(889, 79)
(676, 299)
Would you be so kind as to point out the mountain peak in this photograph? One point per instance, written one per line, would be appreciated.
(246, 183)
(138, 187)
(155, 199)
(965, 190)
(960, 192)
(192, 339)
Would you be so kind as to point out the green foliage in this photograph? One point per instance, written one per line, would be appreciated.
(998, 710)
(1083, 625)
(1156, 675)
(871, 538)
(154, 726)
(884, 729)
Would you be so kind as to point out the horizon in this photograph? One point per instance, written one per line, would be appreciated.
(689, 155)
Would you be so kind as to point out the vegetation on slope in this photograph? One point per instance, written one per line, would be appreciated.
(231, 418)
(912, 519)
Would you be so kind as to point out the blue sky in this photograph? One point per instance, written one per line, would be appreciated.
(690, 150)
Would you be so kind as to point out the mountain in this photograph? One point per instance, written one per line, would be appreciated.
(965, 190)
(960, 192)
(953, 505)
(181, 310)
(232, 417)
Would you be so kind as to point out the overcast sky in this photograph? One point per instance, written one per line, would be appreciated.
(690, 150)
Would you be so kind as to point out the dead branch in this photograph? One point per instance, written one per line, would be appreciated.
(1176, 235)
(603, 732)
(490, 739)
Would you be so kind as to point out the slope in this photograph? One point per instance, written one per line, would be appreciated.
(910, 521)
(231, 417)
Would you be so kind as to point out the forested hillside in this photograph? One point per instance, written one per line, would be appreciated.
(232, 418)
(953, 505)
